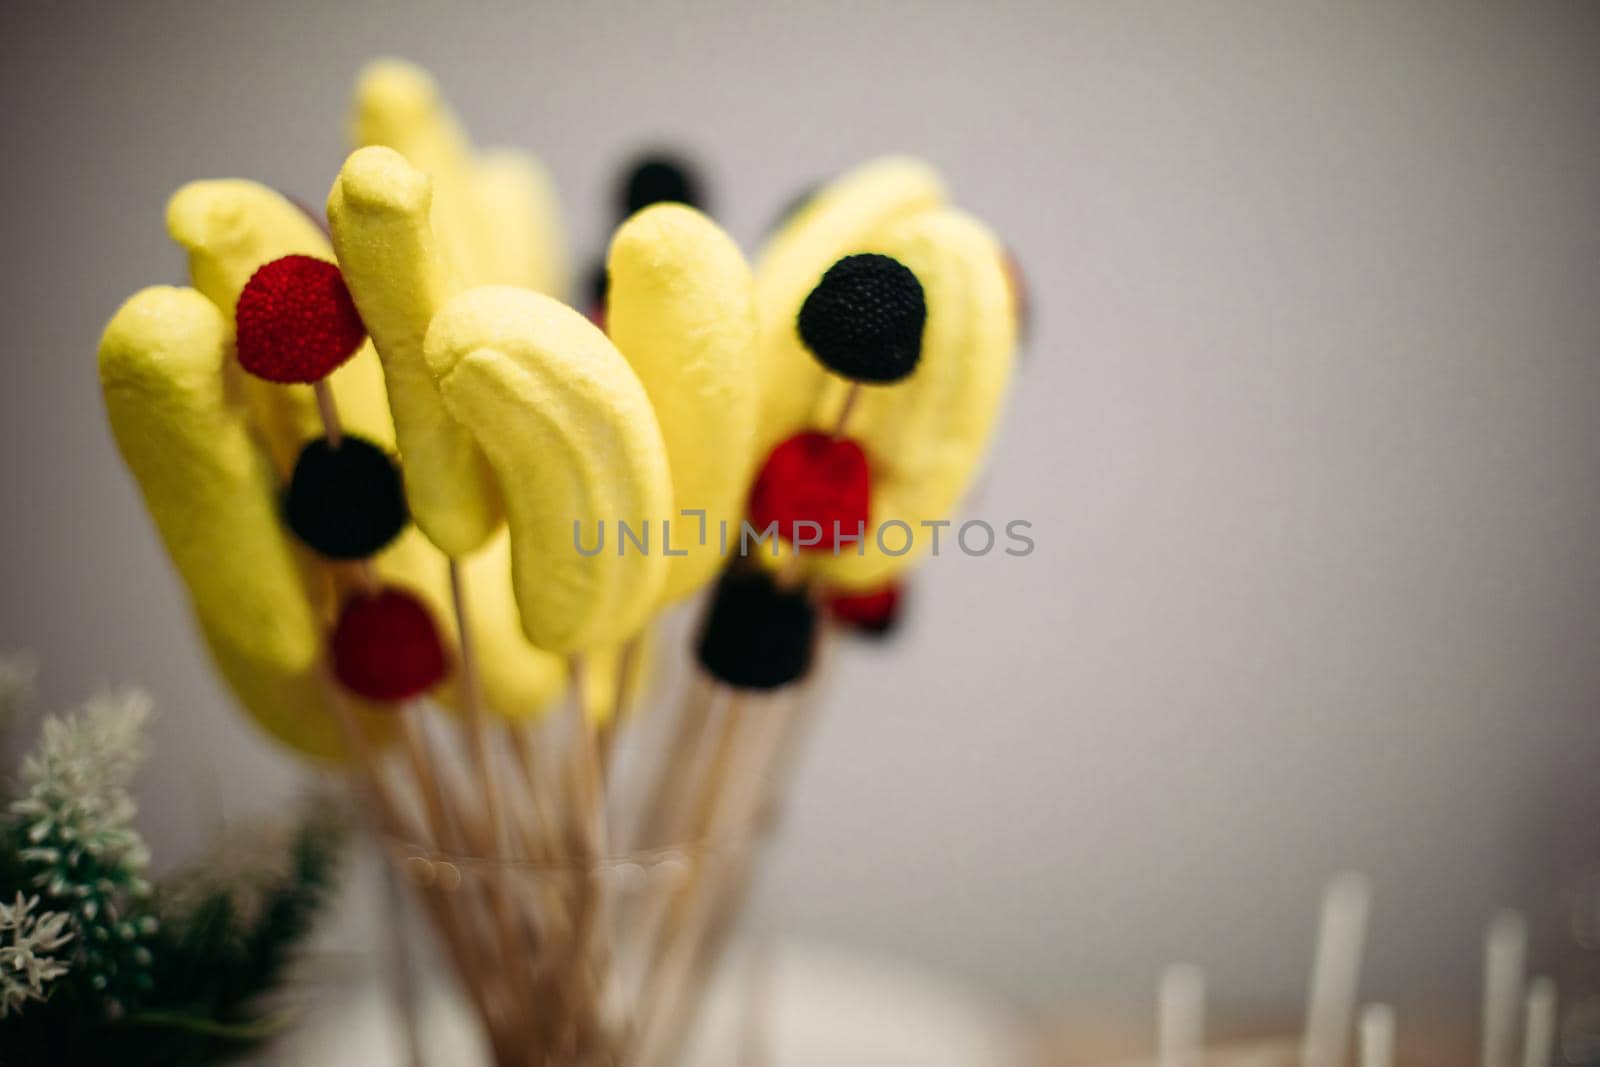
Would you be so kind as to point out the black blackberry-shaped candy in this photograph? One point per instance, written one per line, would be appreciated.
(756, 635)
(345, 502)
(661, 178)
(864, 319)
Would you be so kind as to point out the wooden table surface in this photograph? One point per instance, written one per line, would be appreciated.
(1120, 1036)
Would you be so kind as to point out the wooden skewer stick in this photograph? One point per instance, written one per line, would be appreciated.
(672, 949)
(500, 888)
(328, 407)
(582, 769)
(1181, 1016)
(1336, 972)
(402, 964)
(393, 824)
(543, 844)
(1539, 1024)
(1377, 1036)
(446, 835)
(846, 409)
(666, 789)
(791, 712)
(606, 732)
(586, 829)
(1505, 950)
(365, 763)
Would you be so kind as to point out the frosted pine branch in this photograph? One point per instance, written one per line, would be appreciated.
(79, 845)
(27, 946)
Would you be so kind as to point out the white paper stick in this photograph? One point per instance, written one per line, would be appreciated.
(1505, 949)
(1181, 1015)
(1539, 1027)
(1377, 1036)
(1336, 972)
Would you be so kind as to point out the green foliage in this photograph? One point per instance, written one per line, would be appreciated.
(210, 969)
(80, 851)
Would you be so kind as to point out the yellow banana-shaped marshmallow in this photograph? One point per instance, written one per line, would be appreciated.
(926, 436)
(573, 439)
(497, 217)
(681, 309)
(230, 228)
(528, 245)
(379, 214)
(398, 105)
(839, 220)
(163, 367)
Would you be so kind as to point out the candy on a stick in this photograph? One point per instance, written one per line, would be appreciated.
(496, 213)
(163, 365)
(529, 244)
(813, 478)
(842, 218)
(660, 178)
(344, 501)
(379, 212)
(295, 322)
(874, 613)
(398, 106)
(230, 230)
(570, 432)
(926, 436)
(654, 179)
(682, 311)
(386, 646)
(864, 319)
(757, 634)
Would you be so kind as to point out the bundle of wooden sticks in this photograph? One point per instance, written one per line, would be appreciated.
(587, 933)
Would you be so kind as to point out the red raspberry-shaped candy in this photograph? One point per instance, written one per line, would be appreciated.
(295, 321)
(876, 611)
(386, 647)
(818, 478)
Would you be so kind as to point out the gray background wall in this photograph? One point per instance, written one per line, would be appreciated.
(1308, 436)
